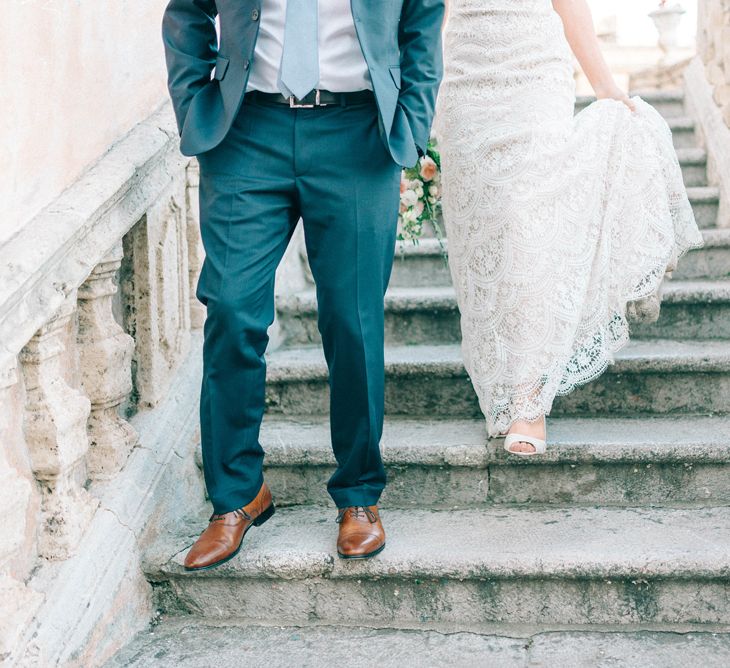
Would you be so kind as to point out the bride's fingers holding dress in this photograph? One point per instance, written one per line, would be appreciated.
(615, 93)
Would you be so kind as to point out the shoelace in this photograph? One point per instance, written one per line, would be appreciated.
(239, 512)
(356, 511)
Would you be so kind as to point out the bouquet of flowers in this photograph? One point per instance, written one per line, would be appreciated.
(420, 197)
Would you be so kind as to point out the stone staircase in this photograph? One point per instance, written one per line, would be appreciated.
(612, 549)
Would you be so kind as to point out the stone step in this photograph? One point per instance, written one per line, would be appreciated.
(422, 264)
(683, 131)
(413, 316)
(546, 568)
(654, 376)
(186, 642)
(705, 202)
(669, 104)
(710, 261)
(694, 166)
(658, 460)
(696, 309)
(425, 263)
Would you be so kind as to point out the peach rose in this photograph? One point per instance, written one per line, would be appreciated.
(428, 168)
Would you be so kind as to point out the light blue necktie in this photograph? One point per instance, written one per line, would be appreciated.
(299, 71)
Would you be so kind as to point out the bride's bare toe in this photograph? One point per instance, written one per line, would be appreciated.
(522, 446)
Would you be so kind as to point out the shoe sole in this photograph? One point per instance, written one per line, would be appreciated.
(256, 523)
(361, 556)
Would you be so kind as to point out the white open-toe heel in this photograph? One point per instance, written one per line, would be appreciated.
(539, 444)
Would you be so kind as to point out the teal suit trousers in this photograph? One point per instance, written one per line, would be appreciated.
(329, 167)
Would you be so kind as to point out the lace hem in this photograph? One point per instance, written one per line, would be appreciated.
(588, 362)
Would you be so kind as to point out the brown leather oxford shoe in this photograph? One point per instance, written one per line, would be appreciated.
(222, 540)
(361, 532)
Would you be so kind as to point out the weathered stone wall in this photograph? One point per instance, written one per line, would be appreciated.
(713, 47)
(76, 77)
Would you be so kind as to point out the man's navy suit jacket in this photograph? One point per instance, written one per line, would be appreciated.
(400, 40)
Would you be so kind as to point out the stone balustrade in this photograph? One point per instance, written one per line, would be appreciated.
(713, 47)
(95, 318)
(99, 389)
(707, 87)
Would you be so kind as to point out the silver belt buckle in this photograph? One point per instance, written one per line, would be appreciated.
(317, 103)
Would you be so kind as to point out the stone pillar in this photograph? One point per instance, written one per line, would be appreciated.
(158, 292)
(18, 603)
(55, 421)
(707, 94)
(105, 358)
(196, 252)
(713, 46)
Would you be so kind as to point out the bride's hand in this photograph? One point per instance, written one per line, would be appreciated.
(613, 92)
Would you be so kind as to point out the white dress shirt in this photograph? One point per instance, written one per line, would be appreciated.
(342, 67)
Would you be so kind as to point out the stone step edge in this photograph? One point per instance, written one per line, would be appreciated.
(638, 356)
(183, 636)
(428, 247)
(681, 123)
(691, 156)
(703, 291)
(686, 440)
(716, 237)
(499, 543)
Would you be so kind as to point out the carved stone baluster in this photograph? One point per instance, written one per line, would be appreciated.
(15, 490)
(196, 252)
(157, 294)
(55, 431)
(105, 357)
(18, 603)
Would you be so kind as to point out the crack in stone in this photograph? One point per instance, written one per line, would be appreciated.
(118, 519)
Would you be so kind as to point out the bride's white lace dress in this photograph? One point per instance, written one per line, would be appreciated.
(554, 223)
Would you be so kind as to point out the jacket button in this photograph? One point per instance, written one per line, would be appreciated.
(255, 15)
(246, 65)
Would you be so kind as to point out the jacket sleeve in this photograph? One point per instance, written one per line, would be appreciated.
(191, 44)
(419, 37)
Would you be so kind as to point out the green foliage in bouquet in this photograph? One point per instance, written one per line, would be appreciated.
(420, 197)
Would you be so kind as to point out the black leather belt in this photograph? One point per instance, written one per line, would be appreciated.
(317, 98)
